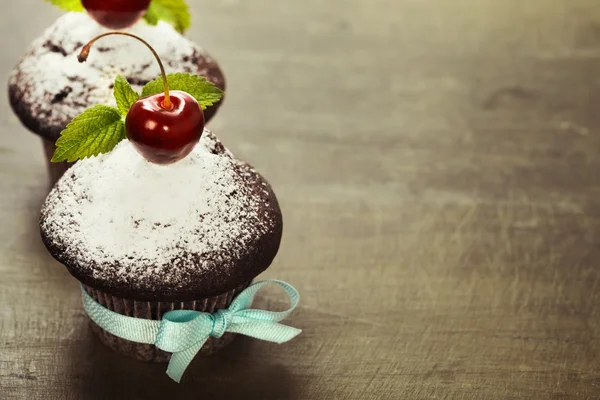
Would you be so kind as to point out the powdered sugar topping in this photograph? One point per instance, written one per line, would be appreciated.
(152, 222)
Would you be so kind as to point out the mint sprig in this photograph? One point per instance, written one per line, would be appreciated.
(124, 95)
(96, 130)
(203, 90)
(100, 128)
(67, 5)
(175, 12)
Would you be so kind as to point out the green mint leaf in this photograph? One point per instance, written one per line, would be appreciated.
(151, 17)
(97, 130)
(124, 95)
(175, 12)
(204, 91)
(67, 5)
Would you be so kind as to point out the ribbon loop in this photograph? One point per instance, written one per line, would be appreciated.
(184, 332)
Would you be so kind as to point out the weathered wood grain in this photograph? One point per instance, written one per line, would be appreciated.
(437, 165)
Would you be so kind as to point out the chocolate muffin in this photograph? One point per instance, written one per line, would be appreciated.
(145, 239)
(49, 87)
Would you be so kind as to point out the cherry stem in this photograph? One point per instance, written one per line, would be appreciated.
(85, 52)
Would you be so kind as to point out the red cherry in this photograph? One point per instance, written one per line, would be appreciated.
(116, 14)
(165, 135)
(165, 127)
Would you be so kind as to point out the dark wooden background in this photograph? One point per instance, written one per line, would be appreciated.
(437, 165)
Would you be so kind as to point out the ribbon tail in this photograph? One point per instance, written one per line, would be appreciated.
(181, 360)
(268, 331)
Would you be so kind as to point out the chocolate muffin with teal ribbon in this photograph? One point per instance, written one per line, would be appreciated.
(163, 226)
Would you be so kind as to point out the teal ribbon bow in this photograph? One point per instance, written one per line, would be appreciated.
(184, 332)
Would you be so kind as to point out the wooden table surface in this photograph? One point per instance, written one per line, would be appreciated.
(437, 166)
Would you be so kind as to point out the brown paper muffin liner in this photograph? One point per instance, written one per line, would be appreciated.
(55, 170)
(155, 310)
